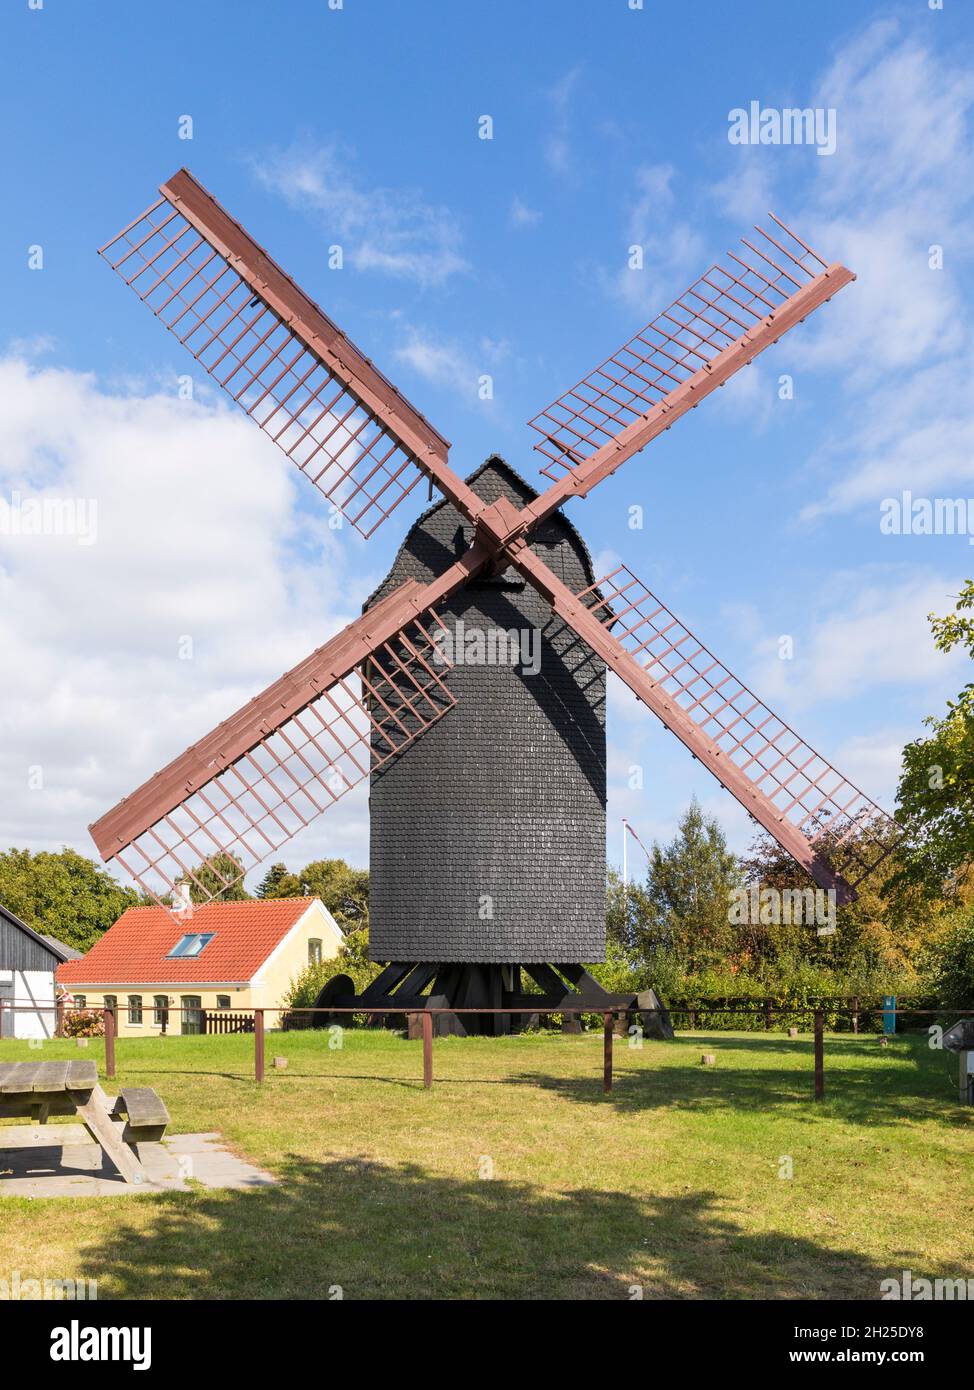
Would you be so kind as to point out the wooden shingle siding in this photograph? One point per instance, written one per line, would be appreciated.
(503, 798)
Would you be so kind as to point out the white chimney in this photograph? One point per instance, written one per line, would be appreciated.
(181, 899)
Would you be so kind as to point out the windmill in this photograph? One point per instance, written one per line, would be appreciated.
(394, 683)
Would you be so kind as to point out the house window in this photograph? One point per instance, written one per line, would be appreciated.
(81, 1001)
(160, 1014)
(191, 944)
(110, 1002)
(135, 1009)
(223, 1001)
(314, 951)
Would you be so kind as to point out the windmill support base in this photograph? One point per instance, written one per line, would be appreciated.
(409, 988)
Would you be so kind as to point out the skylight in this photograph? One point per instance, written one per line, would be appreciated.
(191, 944)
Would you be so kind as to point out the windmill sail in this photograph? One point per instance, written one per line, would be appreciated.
(278, 356)
(239, 794)
(726, 317)
(836, 832)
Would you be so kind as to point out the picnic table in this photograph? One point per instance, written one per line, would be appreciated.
(37, 1090)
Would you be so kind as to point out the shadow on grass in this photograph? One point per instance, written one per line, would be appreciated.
(915, 1085)
(383, 1232)
(865, 1046)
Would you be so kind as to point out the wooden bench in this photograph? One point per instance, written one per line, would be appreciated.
(36, 1090)
(146, 1116)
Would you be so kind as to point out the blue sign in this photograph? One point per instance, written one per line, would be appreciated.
(889, 1013)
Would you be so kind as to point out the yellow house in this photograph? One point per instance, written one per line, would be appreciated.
(162, 971)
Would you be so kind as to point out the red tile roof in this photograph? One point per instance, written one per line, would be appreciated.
(135, 950)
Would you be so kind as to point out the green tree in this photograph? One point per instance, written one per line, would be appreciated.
(684, 906)
(935, 797)
(62, 894)
(209, 880)
(342, 889)
(950, 964)
(877, 940)
(279, 882)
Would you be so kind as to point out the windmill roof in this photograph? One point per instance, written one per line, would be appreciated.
(136, 949)
(493, 463)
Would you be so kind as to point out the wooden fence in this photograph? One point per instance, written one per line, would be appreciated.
(253, 1021)
(226, 1021)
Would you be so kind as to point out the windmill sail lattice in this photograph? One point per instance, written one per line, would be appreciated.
(724, 304)
(803, 787)
(276, 354)
(260, 778)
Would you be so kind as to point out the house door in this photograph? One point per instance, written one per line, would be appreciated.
(192, 1022)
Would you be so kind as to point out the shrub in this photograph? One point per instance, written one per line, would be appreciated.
(83, 1023)
(352, 960)
(950, 965)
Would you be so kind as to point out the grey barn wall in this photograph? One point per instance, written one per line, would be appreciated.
(20, 951)
(505, 796)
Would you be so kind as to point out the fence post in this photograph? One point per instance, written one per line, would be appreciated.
(426, 1019)
(767, 1015)
(59, 1018)
(819, 1054)
(108, 1018)
(607, 1053)
(855, 1014)
(258, 1045)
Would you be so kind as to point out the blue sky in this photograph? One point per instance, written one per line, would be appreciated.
(465, 256)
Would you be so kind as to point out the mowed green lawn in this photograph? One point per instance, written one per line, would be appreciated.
(515, 1177)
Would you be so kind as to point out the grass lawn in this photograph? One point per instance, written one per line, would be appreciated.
(515, 1177)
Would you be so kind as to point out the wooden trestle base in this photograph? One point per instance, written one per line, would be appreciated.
(400, 987)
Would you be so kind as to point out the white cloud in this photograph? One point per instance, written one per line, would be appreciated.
(559, 151)
(521, 215)
(901, 443)
(879, 637)
(901, 182)
(903, 115)
(440, 361)
(390, 230)
(745, 195)
(198, 536)
(673, 250)
(446, 362)
(873, 762)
